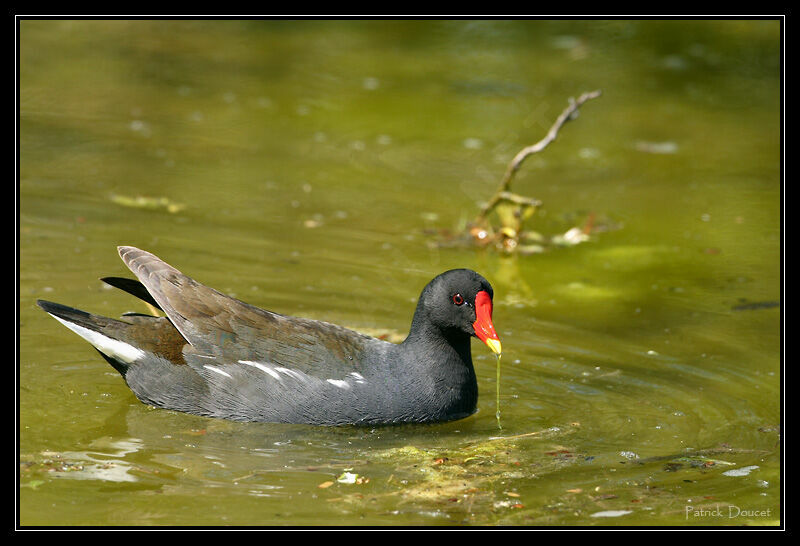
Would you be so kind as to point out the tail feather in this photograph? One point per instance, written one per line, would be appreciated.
(103, 333)
(132, 287)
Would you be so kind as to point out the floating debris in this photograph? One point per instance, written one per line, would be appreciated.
(153, 203)
(611, 513)
(756, 305)
(572, 237)
(737, 472)
(657, 147)
(693, 462)
(350, 478)
(473, 143)
(500, 221)
(347, 477)
(478, 477)
(370, 83)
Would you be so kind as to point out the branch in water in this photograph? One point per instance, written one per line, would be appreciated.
(502, 193)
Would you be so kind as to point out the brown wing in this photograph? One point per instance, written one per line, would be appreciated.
(217, 324)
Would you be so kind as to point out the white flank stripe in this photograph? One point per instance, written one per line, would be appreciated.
(358, 377)
(213, 369)
(339, 383)
(110, 347)
(291, 373)
(264, 368)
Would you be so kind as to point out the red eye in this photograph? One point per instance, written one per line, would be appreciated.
(457, 299)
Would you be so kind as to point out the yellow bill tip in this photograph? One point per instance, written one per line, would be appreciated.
(494, 345)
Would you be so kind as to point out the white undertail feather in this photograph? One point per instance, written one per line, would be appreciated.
(112, 348)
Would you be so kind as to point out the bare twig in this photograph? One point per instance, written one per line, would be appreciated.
(550, 430)
(518, 199)
(502, 192)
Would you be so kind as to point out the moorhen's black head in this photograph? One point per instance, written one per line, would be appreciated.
(460, 300)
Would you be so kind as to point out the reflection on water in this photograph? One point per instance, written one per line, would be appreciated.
(300, 165)
(99, 465)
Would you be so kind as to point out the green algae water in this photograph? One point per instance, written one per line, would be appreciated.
(311, 168)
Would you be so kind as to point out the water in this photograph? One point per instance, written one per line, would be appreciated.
(497, 393)
(303, 167)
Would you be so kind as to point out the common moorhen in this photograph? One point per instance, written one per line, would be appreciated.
(216, 356)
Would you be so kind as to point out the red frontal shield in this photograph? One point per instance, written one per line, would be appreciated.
(484, 328)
